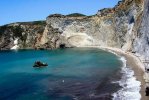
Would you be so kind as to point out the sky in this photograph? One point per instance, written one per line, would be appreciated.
(32, 10)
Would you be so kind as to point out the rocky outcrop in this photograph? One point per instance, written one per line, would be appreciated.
(141, 42)
(112, 27)
(25, 34)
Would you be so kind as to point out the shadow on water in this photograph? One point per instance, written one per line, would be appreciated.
(15, 86)
(23, 86)
(18, 85)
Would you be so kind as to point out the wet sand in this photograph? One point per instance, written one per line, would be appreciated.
(137, 66)
(138, 72)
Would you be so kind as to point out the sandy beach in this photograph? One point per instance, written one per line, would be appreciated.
(138, 72)
(136, 65)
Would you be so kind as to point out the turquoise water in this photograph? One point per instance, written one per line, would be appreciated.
(74, 73)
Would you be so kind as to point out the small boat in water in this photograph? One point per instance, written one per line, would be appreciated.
(39, 64)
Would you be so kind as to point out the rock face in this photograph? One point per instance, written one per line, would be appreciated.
(21, 35)
(110, 27)
(114, 27)
(141, 42)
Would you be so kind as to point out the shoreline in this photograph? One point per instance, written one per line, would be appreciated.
(134, 63)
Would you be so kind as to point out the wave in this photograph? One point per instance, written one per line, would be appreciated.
(130, 86)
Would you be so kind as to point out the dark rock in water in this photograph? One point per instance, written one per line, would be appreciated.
(39, 64)
(147, 91)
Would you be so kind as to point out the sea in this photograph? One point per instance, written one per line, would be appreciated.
(71, 74)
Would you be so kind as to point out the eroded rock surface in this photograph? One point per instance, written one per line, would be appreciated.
(114, 27)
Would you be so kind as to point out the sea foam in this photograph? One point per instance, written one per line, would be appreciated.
(130, 86)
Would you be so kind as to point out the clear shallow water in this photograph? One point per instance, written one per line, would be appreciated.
(75, 73)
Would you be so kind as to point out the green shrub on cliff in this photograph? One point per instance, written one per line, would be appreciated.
(76, 15)
(33, 23)
(39, 22)
(17, 30)
(2, 29)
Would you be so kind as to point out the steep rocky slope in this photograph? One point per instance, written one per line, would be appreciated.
(141, 41)
(110, 27)
(25, 35)
(113, 27)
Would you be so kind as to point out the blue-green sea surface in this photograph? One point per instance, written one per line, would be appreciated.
(72, 74)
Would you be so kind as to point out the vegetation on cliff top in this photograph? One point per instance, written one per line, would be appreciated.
(17, 29)
(2, 29)
(33, 23)
(69, 15)
(76, 15)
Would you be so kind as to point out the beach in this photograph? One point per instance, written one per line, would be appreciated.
(136, 65)
(131, 79)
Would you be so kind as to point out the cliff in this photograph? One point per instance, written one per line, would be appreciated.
(141, 42)
(110, 27)
(113, 27)
(24, 34)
